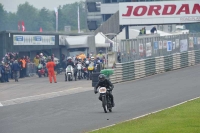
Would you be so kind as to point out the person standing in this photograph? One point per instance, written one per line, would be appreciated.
(50, 66)
(16, 68)
(7, 71)
(153, 30)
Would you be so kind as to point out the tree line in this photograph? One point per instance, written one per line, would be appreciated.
(46, 19)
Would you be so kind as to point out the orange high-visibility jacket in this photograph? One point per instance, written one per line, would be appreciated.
(50, 66)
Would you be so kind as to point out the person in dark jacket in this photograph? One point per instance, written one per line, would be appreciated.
(103, 82)
(16, 68)
(1, 73)
(6, 72)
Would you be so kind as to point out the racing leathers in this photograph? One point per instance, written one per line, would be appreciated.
(106, 83)
(70, 63)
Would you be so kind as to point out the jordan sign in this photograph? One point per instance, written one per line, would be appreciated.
(162, 12)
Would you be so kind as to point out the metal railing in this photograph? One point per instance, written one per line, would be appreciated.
(148, 47)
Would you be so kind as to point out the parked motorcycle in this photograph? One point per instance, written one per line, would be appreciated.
(69, 73)
(42, 70)
(90, 70)
(106, 100)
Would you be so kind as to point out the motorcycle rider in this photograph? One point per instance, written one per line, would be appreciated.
(103, 82)
(70, 62)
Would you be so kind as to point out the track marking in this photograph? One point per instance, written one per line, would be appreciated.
(146, 114)
(44, 96)
(1, 105)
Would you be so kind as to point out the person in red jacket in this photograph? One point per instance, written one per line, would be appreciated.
(50, 66)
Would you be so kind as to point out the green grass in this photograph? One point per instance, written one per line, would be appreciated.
(184, 118)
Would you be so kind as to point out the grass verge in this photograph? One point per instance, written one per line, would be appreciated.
(184, 118)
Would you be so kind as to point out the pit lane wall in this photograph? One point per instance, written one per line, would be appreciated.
(142, 68)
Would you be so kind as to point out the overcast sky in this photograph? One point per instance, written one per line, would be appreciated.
(11, 5)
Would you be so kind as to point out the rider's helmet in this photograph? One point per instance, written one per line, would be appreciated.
(87, 62)
(92, 58)
(79, 59)
(102, 78)
(41, 54)
(100, 51)
(69, 58)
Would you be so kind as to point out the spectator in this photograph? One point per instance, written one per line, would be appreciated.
(23, 67)
(153, 30)
(6, 72)
(52, 57)
(1, 73)
(36, 60)
(140, 32)
(16, 68)
(144, 30)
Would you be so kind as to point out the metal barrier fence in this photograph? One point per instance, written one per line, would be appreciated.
(146, 67)
(30, 69)
(149, 47)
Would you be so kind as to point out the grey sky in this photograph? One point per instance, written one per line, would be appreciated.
(11, 5)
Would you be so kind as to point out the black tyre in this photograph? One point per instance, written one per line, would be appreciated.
(65, 77)
(110, 110)
(104, 104)
(69, 78)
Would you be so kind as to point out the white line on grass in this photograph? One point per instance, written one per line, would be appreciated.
(146, 114)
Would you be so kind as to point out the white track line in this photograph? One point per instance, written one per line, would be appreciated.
(43, 96)
(1, 105)
(147, 114)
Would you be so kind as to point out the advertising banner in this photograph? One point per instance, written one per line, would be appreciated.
(183, 45)
(191, 43)
(169, 46)
(155, 45)
(148, 49)
(177, 43)
(199, 40)
(195, 41)
(33, 40)
(141, 49)
(160, 44)
(164, 44)
(162, 12)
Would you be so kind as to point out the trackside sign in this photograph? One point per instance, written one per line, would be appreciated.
(162, 12)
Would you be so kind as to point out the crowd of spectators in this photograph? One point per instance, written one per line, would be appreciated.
(13, 67)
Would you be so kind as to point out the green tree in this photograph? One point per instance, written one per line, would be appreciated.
(29, 15)
(3, 17)
(45, 20)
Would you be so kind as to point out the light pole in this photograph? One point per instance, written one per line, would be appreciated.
(56, 12)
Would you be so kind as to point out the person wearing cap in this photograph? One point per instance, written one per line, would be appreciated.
(50, 66)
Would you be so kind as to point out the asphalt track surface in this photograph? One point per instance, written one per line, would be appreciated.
(81, 111)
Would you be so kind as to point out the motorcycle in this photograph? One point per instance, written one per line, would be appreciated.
(69, 73)
(90, 70)
(106, 100)
(42, 71)
(79, 70)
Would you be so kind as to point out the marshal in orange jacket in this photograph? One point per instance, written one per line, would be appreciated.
(50, 66)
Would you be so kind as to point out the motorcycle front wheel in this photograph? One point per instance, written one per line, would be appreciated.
(104, 104)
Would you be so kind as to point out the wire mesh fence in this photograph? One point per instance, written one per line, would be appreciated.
(148, 47)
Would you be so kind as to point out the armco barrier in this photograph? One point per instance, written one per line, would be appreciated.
(146, 67)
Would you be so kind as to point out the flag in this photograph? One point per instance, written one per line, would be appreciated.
(23, 26)
(19, 23)
(78, 21)
(40, 29)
